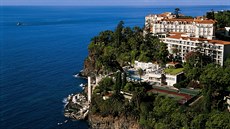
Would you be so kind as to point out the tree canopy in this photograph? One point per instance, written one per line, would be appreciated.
(111, 50)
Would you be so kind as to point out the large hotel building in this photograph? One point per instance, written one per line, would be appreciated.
(187, 35)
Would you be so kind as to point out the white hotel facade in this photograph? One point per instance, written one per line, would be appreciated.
(187, 35)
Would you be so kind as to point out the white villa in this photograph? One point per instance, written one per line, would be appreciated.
(172, 79)
(217, 49)
(187, 35)
(155, 77)
(166, 22)
(148, 67)
(153, 73)
(158, 77)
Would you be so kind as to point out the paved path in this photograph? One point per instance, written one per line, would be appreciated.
(196, 100)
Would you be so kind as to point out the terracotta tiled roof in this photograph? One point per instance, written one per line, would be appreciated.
(176, 33)
(199, 17)
(191, 20)
(178, 36)
(175, 36)
(108, 94)
(205, 21)
(220, 42)
(150, 15)
(188, 20)
(160, 15)
(177, 19)
(173, 63)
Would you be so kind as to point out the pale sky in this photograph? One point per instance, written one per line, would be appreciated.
(114, 2)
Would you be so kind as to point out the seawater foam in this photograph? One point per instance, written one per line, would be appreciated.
(76, 75)
(81, 85)
(65, 101)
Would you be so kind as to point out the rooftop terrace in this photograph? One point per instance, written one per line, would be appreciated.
(173, 71)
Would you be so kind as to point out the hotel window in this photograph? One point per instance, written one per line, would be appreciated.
(220, 47)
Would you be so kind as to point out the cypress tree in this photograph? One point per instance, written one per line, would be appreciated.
(118, 82)
(118, 34)
(124, 81)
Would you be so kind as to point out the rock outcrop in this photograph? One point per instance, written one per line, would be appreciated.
(110, 122)
(89, 66)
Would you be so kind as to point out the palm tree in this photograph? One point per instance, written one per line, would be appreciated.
(177, 11)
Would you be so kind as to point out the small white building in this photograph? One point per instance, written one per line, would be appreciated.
(227, 98)
(146, 66)
(155, 74)
(227, 31)
(173, 75)
(154, 77)
(160, 78)
(173, 79)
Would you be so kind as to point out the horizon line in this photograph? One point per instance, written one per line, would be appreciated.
(115, 5)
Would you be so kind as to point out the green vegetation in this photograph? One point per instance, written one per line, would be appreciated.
(195, 63)
(215, 82)
(111, 50)
(158, 111)
(105, 85)
(140, 73)
(183, 84)
(173, 71)
(222, 18)
(177, 13)
(121, 106)
(185, 17)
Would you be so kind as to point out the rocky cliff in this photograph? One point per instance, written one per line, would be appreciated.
(110, 122)
(89, 66)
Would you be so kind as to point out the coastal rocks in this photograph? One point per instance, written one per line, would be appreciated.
(110, 122)
(77, 107)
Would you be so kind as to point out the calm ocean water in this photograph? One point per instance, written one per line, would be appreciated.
(39, 58)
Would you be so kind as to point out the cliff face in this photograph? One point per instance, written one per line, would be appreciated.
(89, 66)
(110, 122)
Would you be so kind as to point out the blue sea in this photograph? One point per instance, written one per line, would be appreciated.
(39, 58)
